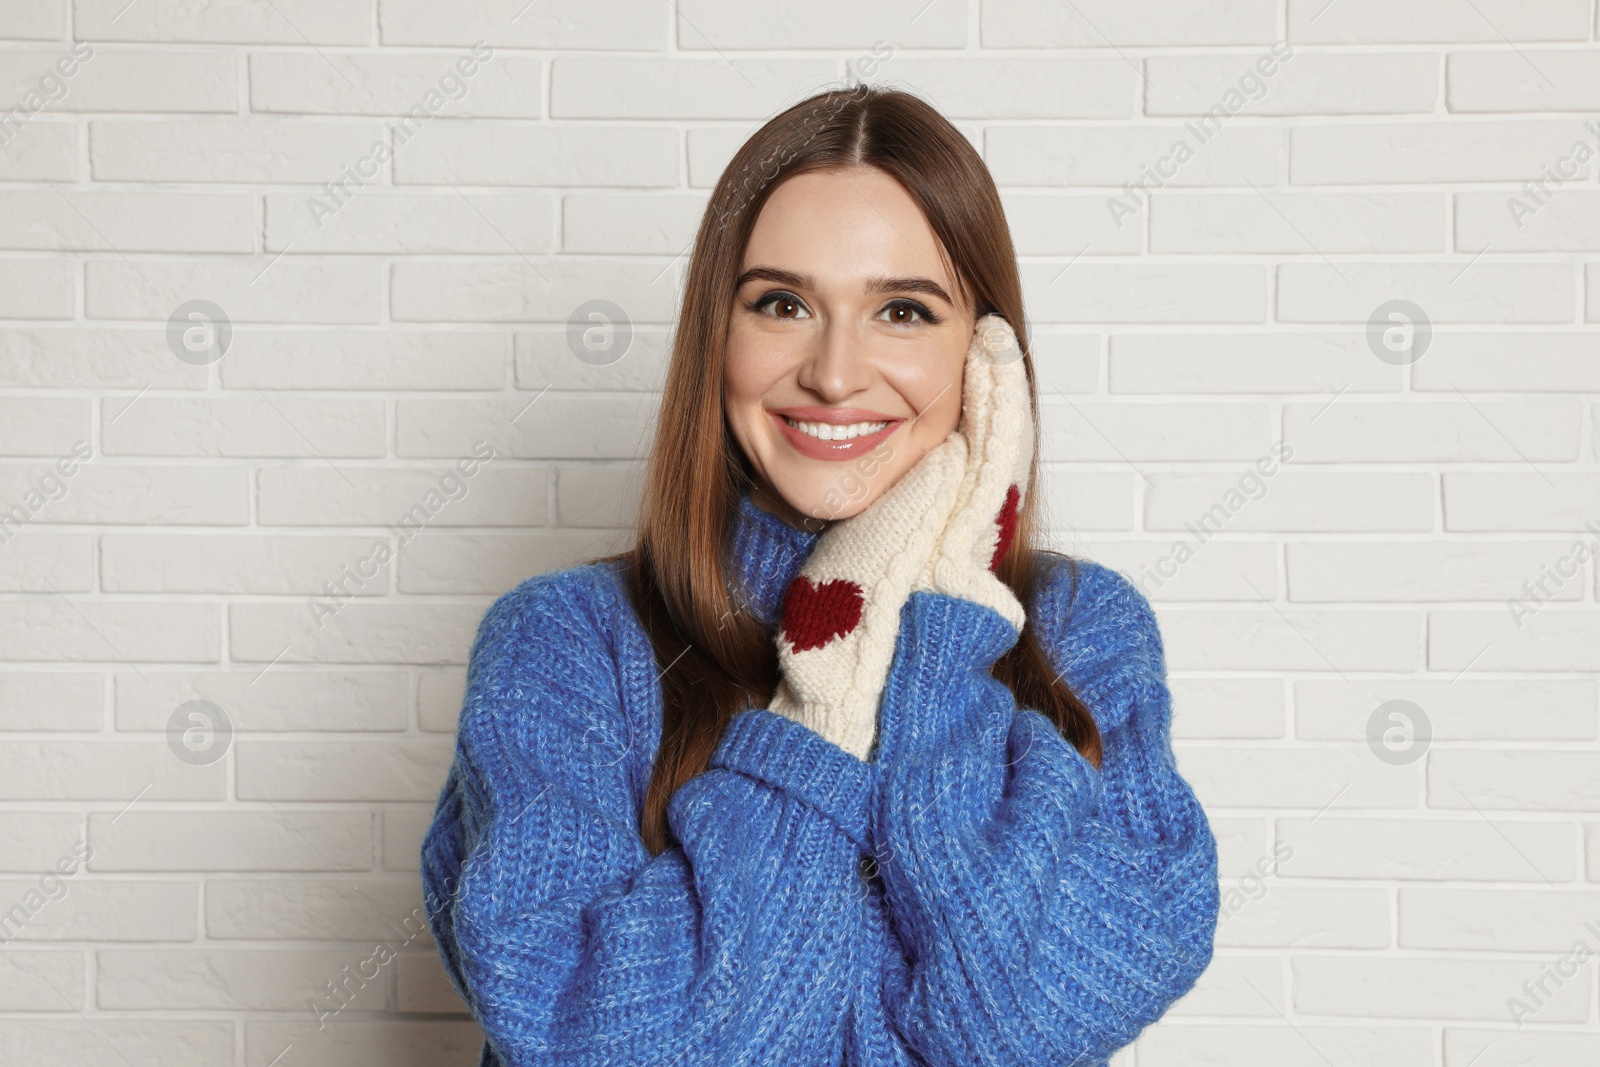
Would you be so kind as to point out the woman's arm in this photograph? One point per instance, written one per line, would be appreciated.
(572, 944)
(1050, 911)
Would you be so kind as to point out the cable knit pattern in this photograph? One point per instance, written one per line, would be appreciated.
(1026, 908)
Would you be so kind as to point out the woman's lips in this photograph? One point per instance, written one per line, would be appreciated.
(816, 448)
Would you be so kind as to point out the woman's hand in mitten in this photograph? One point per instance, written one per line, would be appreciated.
(841, 614)
(997, 425)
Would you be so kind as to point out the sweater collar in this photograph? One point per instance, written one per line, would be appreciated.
(765, 555)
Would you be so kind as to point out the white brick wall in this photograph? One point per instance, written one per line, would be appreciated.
(1378, 912)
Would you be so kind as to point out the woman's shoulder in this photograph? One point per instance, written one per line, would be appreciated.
(1099, 630)
(564, 632)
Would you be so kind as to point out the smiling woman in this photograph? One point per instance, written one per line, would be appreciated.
(804, 778)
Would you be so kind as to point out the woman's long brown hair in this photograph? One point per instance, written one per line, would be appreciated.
(716, 659)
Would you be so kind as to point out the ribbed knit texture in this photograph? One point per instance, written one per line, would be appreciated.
(1025, 908)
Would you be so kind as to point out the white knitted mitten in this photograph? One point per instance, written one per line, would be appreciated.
(940, 527)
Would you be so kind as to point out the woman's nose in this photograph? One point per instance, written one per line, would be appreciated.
(837, 366)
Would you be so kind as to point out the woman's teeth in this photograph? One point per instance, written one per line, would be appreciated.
(828, 431)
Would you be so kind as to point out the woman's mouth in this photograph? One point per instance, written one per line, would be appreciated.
(833, 434)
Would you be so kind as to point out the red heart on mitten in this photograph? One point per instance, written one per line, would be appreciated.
(813, 615)
(1007, 521)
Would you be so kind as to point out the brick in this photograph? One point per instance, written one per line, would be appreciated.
(1276, 778)
(296, 22)
(1306, 83)
(71, 220)
(599, 496)
(1107, 24)
(1500, 81)
(1371, 21)
(421, 985)
(1235, 986)
(556, 426)
(403, 829)
(44, 20)
(1562, 219)
(372, 220)
(544, 357)
(279, 699)
(623, 25)
(39, 839)
(354, 1042)
(93, 359)
(1543, 639)
(647, 88)
(1523, 709)
(230, 841)
(147, 80)
(524, 291)
(1297, 639)
(37, 289)
(259, 425)
(1241, 571)
(293, 289)
(1461, 848)
(830, 24)
(38, 561)
(1515, 920)
(407, 498)
(470, 153)
(625, 223)
(1104, 292)
(1054, 225)
(107, 910)
(119, 631)
(1283, 917)
(42, 426)
(1507, 362)
(228, 979)
(1521, 780)
(1247, 362)
(1057, 156)
(1294, 501)
(42, 981)
(41, 151)
(324, 909)
(1015, 87)
(385, 359)
(340, 770)
(1417, 570)
(1297, 1044)
(1495, 500)
(39, 700)
(1454, 988)
(1132, 431)
(364, 83)
(399, 633)
(1439, 432)
(117, 1042)
(491, 564)
(1398, 153)
(1227, 707)
(226, 150)
(1307, 223)
(440, 695)
(211, 564)
(136, 494)
(120, 771)
(1500, 1047)
(1484, 292)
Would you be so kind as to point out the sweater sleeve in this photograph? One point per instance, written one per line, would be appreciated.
(1049, 911)
(570, 942)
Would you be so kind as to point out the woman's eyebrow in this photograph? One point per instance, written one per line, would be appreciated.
(880, 284)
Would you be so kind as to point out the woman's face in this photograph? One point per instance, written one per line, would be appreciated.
(846, 347)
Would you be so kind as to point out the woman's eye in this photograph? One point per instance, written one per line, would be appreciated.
(786, 305)
(907, 312)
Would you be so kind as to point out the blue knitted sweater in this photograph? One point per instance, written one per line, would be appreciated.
(976, 893)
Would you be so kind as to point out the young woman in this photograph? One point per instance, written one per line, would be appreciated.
(835, 765)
